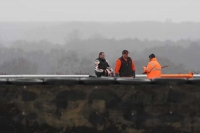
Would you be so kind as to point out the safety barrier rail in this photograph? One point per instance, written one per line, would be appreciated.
(88, 80)
(84, 76)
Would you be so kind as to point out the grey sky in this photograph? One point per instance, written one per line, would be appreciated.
(101, 10)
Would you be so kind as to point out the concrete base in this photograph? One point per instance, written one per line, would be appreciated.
(167, 108)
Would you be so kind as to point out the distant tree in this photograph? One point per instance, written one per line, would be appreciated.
(67, 62)
(97, 36)
(30, 46)
(73, 37)
(18, 66)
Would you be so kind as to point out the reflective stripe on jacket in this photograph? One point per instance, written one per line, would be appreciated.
(153, 69)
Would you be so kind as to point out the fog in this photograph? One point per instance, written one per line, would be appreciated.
(72, 47)
(57, 32)
(103, 10)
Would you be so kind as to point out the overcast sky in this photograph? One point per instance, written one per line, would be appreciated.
(101, 10)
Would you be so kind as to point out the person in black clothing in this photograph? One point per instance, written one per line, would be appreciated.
(102, 68)
(125, 66)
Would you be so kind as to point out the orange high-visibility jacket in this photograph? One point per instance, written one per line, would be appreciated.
(153, 69)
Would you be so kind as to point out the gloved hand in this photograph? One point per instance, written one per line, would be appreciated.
(133, 74)
(116, 75)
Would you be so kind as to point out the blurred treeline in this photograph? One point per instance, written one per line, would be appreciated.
(77, 55)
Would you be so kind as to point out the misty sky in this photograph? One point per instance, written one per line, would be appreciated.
(101, 10)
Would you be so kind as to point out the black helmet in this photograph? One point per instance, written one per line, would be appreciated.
(152, 56)
(125, 51)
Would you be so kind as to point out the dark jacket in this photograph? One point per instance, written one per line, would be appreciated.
(103, 64)
(126, 67)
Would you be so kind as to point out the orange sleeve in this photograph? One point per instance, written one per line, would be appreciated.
(149, 67)
(118, 65)
(133, 65)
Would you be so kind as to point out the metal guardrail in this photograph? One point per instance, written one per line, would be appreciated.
(44, 76)
(196, 76)
(89, 80)
(144, 76)
(68, 76)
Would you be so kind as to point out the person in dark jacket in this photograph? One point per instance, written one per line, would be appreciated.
(125, 66)
(102, 68)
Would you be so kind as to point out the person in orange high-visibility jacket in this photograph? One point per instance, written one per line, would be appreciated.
(153, 69)
(125, 66)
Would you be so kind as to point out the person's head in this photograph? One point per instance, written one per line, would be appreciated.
(102, 55)
(151, 56)
(125, 53)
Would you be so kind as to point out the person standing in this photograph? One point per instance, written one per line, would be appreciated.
(125, 66)
(153, 68)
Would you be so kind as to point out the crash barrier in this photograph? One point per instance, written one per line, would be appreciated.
(95, 81)
(130, 81)
(3, 81)
(194, 81)
(189, 75)
(63, 81)
(22, 81)
(102, 80)
(170, 80)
